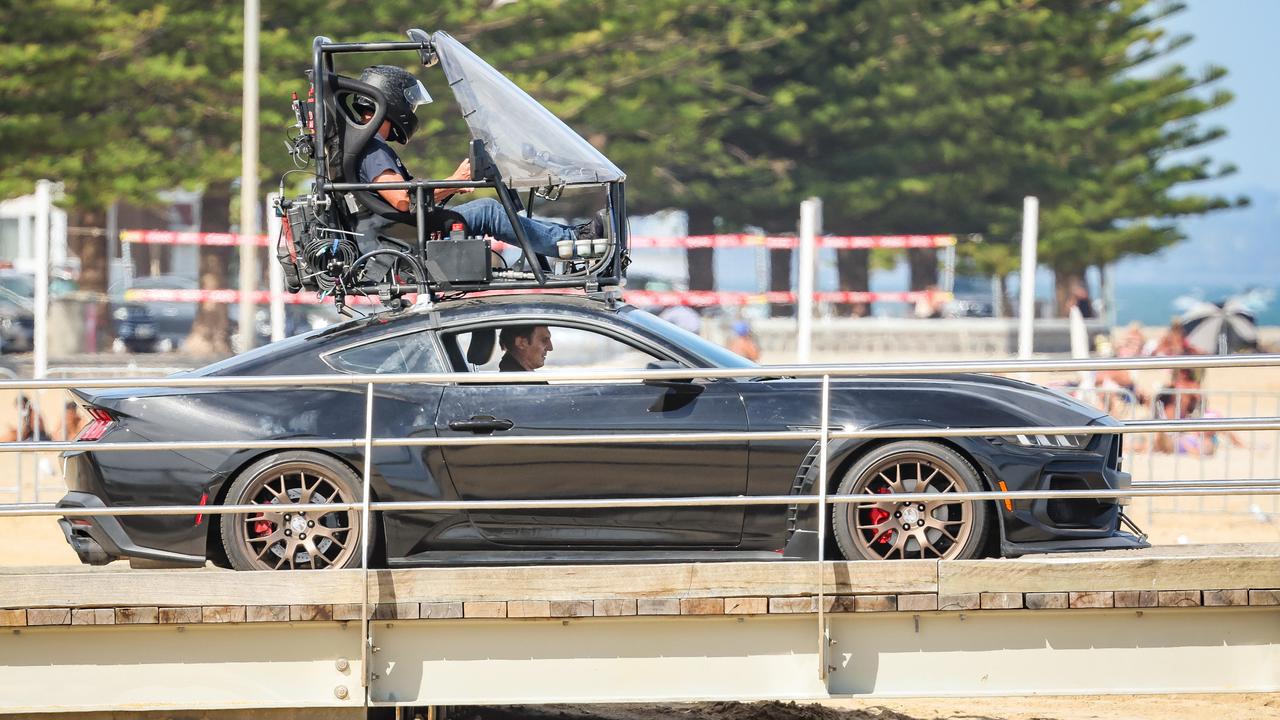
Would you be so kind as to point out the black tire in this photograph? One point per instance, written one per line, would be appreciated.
(288, 538)
(954, 530)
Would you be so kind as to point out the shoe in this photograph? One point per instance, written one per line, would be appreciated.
(594, 229)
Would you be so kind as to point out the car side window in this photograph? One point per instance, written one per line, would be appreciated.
(413, 353)
(572, 348)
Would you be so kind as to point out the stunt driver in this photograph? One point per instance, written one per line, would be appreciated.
(378, 163)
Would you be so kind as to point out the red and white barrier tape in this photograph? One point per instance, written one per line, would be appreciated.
(662, 298)
(786, 242)
(739, 240)
(168, 237)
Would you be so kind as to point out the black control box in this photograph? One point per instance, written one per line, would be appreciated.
(458, 261)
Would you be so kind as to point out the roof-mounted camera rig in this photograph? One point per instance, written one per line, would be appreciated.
(517, 145)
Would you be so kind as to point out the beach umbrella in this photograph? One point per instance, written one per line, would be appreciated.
(1221, 327)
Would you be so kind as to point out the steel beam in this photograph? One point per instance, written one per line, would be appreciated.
(180, 667)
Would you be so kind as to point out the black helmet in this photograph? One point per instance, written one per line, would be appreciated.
(404, 94)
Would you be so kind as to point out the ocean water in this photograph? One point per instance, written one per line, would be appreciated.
(747, 269)
(1152, 304)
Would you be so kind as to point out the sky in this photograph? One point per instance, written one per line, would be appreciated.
(1241, 36)
(1238, 246)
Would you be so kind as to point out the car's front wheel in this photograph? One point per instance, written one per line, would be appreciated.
(942, 528)
(285, 535)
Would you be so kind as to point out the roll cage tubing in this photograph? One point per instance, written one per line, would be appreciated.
(323, 49)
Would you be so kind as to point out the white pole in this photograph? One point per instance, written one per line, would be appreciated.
(249, 175)
(810, 226)
(275, 275)
(40, 343)
(1027, 276)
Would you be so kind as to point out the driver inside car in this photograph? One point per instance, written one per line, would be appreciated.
(525, 347)
(378, 163)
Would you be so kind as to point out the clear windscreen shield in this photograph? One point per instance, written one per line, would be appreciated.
(532, 147)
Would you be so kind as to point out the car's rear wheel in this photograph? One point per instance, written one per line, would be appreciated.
(944, 528)
(286, 535)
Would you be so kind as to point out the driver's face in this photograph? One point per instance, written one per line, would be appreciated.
(532, 353)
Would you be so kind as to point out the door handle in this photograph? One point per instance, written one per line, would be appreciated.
(481, 424)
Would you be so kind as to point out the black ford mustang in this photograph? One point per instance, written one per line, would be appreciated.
(586, 333)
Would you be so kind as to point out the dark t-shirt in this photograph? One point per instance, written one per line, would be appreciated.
(377, 158)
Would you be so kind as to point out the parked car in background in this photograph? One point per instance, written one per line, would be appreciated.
(17, 306)
(971, 297)
(163, 326)
(17, 322)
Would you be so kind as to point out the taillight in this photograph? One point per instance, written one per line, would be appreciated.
(99, 422)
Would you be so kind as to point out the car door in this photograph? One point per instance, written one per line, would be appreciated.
(597, 470)
(406, 411)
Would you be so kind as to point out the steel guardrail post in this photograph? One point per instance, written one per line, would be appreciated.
(366, 634)
(824, 634)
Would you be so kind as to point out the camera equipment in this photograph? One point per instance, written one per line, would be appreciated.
(343, 238)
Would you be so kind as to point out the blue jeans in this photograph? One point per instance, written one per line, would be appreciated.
(487, 217)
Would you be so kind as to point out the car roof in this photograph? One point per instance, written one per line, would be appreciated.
(378, 324)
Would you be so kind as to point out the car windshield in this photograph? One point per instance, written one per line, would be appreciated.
(715, 355)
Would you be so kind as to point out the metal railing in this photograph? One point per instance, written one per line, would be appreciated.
(823, 435)
(1199, 454)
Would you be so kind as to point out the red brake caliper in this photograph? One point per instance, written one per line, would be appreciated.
(262, 528)
(878, 516)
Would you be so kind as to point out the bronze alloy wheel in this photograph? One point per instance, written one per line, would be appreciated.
(285, 535)
(944, 528)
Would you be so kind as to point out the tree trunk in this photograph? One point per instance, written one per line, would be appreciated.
(211, 330)
(780, 280)
(701, 261)
(1005, 309)
(91, 248)
(1065, 283)
(923, 263)
(853, 267)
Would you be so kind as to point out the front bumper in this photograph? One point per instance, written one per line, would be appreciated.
(100, 539)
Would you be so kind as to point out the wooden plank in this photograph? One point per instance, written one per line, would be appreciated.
(1221, 598)
(1117, 571)
(617, 608)
(307, 613)
(691, 580)
(1136, 598)
(702, 606)
(960, 601)
(875, 603)
(137, 615)
(658, 606)
(740, 606)
(140, 588)
(921, 602)
(180, 615)
(571, 608)
(529, 609)
(1046, 601)
(484, 609)
(1179, 598)
(93, 616)
(48, 616)
(440, 611)
(222, 613)
(1001, 600)
(1091, 599)
(268, 613)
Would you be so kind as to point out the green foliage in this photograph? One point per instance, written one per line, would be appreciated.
(904, 115)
